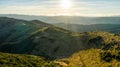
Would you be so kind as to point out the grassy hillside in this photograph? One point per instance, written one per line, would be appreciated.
(84, 58)
(89, 58)
(17, 60)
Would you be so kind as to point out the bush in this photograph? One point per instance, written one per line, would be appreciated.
(106, 56)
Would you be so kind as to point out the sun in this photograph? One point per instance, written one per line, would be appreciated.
(66, 4)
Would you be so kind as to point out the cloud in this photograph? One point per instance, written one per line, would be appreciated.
(52, 7)
(38, 10)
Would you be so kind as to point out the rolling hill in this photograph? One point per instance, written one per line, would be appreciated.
(38, 38)
(58, 46)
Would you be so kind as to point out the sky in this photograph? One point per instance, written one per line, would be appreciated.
(61, 7)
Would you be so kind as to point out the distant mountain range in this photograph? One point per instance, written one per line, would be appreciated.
(68, 19)
(113, 28)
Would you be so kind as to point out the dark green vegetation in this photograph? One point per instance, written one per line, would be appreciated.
(59, 47)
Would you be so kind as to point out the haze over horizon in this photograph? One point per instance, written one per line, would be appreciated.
(61, 7)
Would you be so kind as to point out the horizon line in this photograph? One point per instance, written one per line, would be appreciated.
(67, 15)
